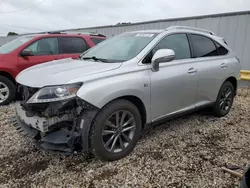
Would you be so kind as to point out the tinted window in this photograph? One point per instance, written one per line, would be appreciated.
(70, 45)
(45, 46)
(203, 46)
(178, 43)
(97, 40)
(221, 50)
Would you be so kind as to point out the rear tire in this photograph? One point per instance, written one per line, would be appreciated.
(224, 100)
(7, 90)
(115, 130)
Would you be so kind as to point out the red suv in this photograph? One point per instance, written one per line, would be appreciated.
(30, 50)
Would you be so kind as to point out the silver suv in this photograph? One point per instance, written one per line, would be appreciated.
(102, 101)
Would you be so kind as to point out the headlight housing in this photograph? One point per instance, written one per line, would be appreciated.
(55, 93)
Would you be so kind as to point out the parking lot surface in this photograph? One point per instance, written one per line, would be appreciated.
(186, 152)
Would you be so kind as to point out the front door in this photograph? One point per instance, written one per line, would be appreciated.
(173, 87)
(44, 50)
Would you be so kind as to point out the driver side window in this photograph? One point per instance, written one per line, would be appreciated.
(177, 42)
(45, 46)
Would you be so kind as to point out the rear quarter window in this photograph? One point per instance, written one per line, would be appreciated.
(97, 40)
(203, 46)
(221, 50)
(70, 45)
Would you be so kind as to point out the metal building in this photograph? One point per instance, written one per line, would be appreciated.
(4, 40)
(234, 27)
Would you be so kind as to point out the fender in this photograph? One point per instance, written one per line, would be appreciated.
(102, 91)
(10, 73)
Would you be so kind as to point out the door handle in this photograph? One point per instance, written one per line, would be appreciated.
(192, 70)
(223, 65)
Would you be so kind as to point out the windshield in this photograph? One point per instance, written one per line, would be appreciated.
(120, 48)
(10, 46)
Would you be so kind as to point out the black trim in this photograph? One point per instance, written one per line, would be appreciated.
(85, 104)
(98, 35)
(216, 48)
(87, 116)
(190, 45)
(164, 119)
(215, 42)
(54, 32)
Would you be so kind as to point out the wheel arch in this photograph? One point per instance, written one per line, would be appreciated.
(234, 82)
(89, 115)
(8, 75)
(139, 104)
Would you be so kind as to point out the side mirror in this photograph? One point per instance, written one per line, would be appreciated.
(26, 52)
(161, 56)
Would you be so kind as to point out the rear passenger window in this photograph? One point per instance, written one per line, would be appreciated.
(203, 46)
(97, 40)
(178, 43)
(221, 50)
(71, 45)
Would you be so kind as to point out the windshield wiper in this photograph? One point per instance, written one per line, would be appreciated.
(96, 59)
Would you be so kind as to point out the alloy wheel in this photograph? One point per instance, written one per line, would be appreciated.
(226, 99)
(4, 92)
(118, 131)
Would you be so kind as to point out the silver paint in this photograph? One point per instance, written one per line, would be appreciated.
(178, 86)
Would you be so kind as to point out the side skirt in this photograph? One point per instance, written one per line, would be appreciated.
(168, 118)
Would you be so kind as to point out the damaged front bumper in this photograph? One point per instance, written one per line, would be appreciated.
(67, 133)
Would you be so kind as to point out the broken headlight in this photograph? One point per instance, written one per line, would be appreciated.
(55, 93)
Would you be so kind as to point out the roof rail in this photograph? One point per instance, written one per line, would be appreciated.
(191, 28)
(98, 35)
(54, 32)
(77, 33)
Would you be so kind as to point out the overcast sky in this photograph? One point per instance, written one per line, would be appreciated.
(24, 16)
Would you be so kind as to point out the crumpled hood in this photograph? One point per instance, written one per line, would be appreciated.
(61, 72)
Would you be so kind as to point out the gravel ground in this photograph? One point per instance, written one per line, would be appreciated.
(185, 152)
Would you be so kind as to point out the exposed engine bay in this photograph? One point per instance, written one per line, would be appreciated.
(61, 126)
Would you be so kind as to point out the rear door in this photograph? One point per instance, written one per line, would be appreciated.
(44, 50)
(71, 47)
(212, 67)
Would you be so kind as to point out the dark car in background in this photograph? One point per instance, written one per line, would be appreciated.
(30, 50)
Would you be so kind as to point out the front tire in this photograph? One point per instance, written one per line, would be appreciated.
(7, 90)
(115, 130)
(224, 100)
